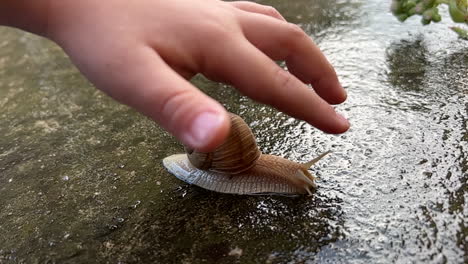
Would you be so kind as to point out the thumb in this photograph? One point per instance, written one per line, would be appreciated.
(151, 87)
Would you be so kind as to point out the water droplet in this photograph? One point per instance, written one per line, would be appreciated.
(235, 252)
(10, 180)
(120, 219)
(138, 202)
(108, 244)
(65, 178)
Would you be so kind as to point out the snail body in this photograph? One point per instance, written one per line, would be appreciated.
(238, 167)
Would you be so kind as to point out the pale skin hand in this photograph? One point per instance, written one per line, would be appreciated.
(143, 52)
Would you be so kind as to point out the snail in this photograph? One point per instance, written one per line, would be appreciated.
(239, 167)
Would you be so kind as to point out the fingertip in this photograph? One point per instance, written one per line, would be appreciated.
(342, 124)
(330, 90)
(326, 84)
(340, 95)
(338, 125)
(207, 130)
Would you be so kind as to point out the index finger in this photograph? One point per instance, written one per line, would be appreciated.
(260, 78)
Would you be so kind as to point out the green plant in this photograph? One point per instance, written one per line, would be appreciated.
(429, 10)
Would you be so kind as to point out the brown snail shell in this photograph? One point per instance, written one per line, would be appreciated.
(237, 154)
(238, 167)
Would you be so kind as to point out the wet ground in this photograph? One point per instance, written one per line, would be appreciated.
(81, 178)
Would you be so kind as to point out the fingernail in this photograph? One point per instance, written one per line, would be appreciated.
(204, 128)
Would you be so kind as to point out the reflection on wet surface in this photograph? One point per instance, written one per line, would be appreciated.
(81, 177)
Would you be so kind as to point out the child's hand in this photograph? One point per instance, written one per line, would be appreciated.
(143, 52)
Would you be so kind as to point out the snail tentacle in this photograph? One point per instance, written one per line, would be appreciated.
(309, 164)
(309, 183)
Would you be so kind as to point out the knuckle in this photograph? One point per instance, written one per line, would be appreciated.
(173, 104)
(271, 11)
(216, 32)
(295, 32)
(284, 80)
